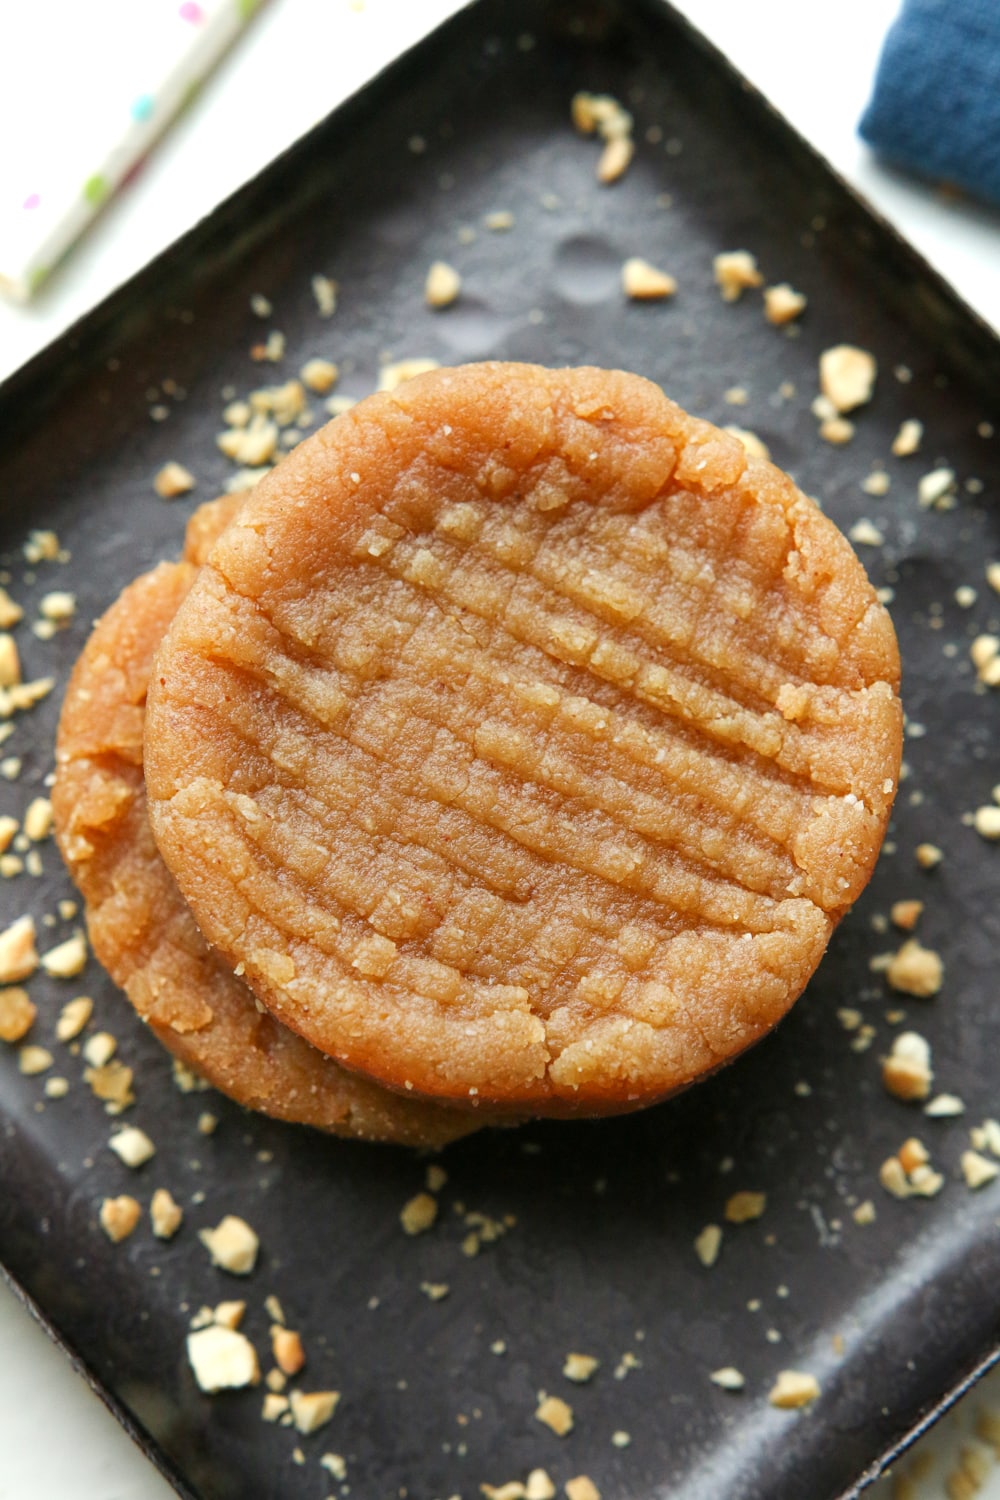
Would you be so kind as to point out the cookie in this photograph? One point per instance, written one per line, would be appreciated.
(524, 740)
(140, 928)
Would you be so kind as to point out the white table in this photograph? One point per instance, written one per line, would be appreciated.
(302, 57)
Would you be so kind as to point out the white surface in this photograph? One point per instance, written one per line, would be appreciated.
(299, 58)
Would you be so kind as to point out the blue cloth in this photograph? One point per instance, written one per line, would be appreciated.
(935, 109)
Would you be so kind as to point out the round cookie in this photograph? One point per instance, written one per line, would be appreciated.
(140, 927)
(524, 740)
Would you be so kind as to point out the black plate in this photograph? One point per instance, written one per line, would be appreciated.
(889, 1316)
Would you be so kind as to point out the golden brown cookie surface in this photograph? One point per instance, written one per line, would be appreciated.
(140, 927)
(525, 740)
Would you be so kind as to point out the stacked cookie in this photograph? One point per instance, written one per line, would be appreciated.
(514, 749)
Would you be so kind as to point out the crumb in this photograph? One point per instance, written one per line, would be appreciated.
(965, 596)
(977, 1170)
(928, 855)
(581, 1488)
(67, 959)
(620, 1438)
(33, 1060)
(836, 430)
(986, 1137)
(782, 303)
(556, 1414)
(286, 1346)
(325, 292)
(208, 1124)
(119, 1217)
(57, 607)
(260, 306)
(111, 1082)
(17, 1014)
(272, 350)
(232, 1244)
(642, 282)
(728, 1378)
(166, 1215)
(735, 271)
(38, 820)
(8, 828)
(944, 1107)
(908, 438)
(986, 821)
(313, 1409)
(286, 403)
(876, 483)
(793, 1389)
(10, 662)
(11, 613)
(18, 955)
(394, 375)
(847, 376)
(435, 1291)
(275, 1380)
(907, 1072)
(442, 286)
(499, 221)
(906, 914)
(512, 1490)
(708, 1244)
(132, 1146)
(222, 1359)
(744, 1207)
(274, 1406)
(99, 1048)
(319, 375)
(752, 444)
(41, 546)
(418, 1215)
(934, 490)
(56, 1088)
(229, 1314)
(580, 1367)
(915, 970)
(335, 1464)
(864, 1213)
(253, 445)
(173, 480)
(436, 1177)
(864, 534)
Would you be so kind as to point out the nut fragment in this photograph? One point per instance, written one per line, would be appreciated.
(442, 286)
(793, 1389)
(986, 821)
(34, 1060)
(132, 1146)
(556, 1414)
(934, 490)
(119, 1217)
(847, 376)
(538, 1486)
(287, 1349)
(580, 1367)
(58, 607)
(17, 1014)
(68, 959)
(113, 1083)
(906, 914)
(735, 271)
(743, 1207)
(642, 282)
(18, 955)
(708, 1244)
(10, 612)
(907, 439)
(928, 855)
(173, 480)
(232, 1244)
(906, 1072)
(325, 292)
(274, 1406)
(915, 970)
(38, 820)
(319, 375)
(166, 1215)
(418, 1214)
(836, 430)
(313, 1409)
(581, 1488)
(252, 445)
(864, 534)
(728, 1378)
(977, 1170)
(10, 661)
(782, 303)
(222, 1359)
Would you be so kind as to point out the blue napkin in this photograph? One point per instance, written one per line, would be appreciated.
(935, 109)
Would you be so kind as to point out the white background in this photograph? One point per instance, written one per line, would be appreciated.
(298, 59)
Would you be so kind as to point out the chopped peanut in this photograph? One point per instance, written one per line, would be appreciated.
(17, 1014)
(119, 1217)
(793, 1389)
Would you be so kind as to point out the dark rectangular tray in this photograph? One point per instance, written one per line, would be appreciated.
(891, 1316)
